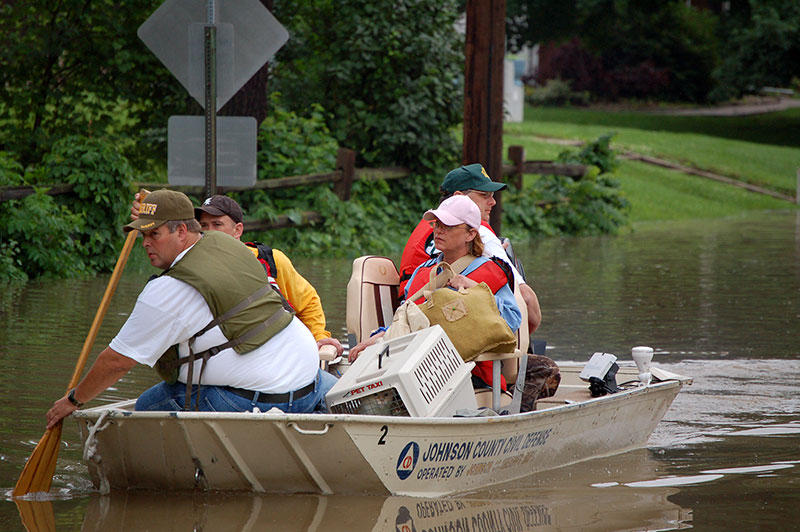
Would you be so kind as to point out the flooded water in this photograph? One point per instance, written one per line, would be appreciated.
(718, 300)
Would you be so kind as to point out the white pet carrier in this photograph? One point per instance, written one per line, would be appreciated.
(418, 375)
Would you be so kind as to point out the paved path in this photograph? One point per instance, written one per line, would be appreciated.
(735, 110)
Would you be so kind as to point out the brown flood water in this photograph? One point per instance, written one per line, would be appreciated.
(718, 300)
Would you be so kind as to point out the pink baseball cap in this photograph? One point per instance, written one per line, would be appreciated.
(456, 210)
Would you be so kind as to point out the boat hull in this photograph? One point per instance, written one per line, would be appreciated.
(346, 454)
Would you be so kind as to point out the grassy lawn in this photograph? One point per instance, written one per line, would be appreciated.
(737, 147)
(660, 194)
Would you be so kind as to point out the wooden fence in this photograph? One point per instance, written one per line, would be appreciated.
(343, 177)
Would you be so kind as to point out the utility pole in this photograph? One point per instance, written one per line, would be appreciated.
(483, 90)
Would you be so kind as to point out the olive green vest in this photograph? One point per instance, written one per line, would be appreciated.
(226, 274)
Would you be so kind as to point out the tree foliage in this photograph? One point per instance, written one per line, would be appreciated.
(665, 50)
(591, 205)
(82, 101)
(371, 221)
(623, 48)
(388, 72)
(763, 48)
(69, 235)
(78, 67)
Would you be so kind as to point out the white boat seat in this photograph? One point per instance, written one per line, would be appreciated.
(371, 295)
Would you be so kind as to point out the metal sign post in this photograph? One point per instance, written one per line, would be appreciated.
(212, 48)
(211, 99)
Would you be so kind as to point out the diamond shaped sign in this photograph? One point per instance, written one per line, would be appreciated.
(247, 37)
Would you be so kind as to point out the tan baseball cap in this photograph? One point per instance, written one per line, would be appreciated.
(160, 207)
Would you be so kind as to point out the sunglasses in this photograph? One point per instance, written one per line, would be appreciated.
(486, 195)
(437, 225)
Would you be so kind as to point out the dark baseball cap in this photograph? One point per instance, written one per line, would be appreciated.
(159, 207)
(220, 205)
(470, 177)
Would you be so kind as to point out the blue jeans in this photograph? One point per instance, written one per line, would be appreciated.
(171, 397)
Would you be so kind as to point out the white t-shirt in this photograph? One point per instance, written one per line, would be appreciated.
(492, 247)
(169, 312)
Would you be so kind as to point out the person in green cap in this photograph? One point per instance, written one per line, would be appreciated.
(191, 324)
(472, 181)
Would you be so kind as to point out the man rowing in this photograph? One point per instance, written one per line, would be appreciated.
(210, 318)
(221, 213)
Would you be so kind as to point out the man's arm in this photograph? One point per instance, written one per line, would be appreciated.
(109, 367)
(532, 302)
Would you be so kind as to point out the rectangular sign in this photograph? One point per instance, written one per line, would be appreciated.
(236, 151)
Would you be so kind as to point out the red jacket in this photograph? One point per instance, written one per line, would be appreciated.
(419, 248)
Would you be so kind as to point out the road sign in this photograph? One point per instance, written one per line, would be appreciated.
(236, 151)
(247, 37)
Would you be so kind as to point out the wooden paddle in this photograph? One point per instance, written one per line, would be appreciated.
(37, 475)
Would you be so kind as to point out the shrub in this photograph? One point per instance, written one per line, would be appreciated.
(556, 92)
(102, 192)
(36, 235)
(589, 205)
(571, 62)
(72, 234)
(290, 144)
(649, 50)
(372, 221)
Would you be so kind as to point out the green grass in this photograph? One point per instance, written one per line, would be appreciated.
(737, 147)
(775, 129)
(660, 194)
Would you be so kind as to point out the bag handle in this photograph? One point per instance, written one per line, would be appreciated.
(441, 279)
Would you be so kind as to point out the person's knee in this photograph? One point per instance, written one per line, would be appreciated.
(326, 382)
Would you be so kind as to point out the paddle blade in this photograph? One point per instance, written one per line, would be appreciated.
(37, 516)
(37, 475)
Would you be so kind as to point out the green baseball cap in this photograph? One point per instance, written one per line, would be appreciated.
(470, 177)
(160, 207)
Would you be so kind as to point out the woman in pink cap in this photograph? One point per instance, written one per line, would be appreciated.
(455, 228)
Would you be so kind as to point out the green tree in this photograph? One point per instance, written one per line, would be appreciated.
(78, 67)
(763, 48)
(636, 43)
(529, 22)
(389, 73)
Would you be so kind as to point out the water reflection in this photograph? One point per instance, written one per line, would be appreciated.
(548, 501)
(605, 510)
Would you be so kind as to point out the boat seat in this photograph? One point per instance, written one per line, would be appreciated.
(327, 356)
(372, 295)
(483, 396)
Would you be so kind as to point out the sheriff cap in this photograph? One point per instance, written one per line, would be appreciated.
(219, 205)
(160, 207)
(456, 210)
(470, 177)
